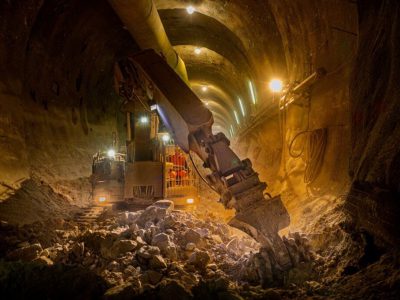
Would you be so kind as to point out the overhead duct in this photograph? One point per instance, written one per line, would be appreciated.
(144, 24)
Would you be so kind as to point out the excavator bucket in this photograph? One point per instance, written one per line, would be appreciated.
(262, 220)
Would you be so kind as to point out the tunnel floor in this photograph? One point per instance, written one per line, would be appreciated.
(161, 252)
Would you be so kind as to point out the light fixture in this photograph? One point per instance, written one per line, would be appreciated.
(102, 199)
(111, 153)
(236, 117)
(166, 137)
(276, 85)
(197, 50)
(190, 201)
(153, 105)
(144, 120)
(252, 92)
(241, 107)
(204, 88)
(190, 9)
(206, 103)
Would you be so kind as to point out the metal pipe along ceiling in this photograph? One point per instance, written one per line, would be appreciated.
(142, 20)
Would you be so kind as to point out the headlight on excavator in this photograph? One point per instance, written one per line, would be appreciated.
(102, 199)
(190, 201)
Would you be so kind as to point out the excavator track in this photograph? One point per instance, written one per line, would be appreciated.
(89, 214)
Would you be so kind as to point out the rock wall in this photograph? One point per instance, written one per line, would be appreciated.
(375, 108)
(313, 36)
(58, 105)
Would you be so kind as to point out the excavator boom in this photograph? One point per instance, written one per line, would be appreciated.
(190, 124)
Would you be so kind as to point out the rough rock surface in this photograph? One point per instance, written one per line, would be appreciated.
(159, 253)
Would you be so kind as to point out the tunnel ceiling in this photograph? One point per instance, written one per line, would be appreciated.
(238, 42)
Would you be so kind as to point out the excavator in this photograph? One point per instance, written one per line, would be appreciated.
(149, 85)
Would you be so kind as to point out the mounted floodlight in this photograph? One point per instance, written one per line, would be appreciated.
(111, 153)
(204, 88)
(276, 85)
(153, 105)
(206, 103)
(190, 201)
(144, 120)
(197, 50)
(190, 9)
(166, 137)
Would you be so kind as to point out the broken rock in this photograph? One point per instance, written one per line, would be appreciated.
(200, 259)
(120, 292)
(118, 248)
(27, 253)
(168, 205)
(151, 277)
(152, 214)
(44, 261)
(157, 263)
(192, 236)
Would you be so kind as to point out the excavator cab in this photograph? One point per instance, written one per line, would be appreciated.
(181, 180)
(107, 178)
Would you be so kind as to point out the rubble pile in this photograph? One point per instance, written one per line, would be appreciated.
(159, 249)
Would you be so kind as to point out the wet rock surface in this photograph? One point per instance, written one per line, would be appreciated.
(161, 253)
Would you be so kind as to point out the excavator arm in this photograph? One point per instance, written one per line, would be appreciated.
(147, 75)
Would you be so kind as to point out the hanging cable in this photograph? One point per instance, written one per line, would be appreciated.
(201, 176)
(313, 148)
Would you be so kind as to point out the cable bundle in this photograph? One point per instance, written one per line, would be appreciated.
(313, 149)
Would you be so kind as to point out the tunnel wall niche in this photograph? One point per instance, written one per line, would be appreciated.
(58, 106)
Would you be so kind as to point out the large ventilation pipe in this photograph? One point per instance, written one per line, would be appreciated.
(144, 24)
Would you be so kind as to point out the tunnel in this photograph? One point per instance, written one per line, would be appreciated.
(199, 149)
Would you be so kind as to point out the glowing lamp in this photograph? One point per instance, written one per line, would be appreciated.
(144, 120)
(276, 85)
(190, 9)
(166, 137)
(111, 153)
